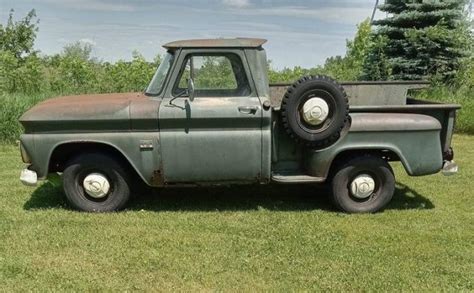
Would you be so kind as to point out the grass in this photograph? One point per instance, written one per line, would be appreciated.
(241, 239)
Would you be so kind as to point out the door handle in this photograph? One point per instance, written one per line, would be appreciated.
(248, 109)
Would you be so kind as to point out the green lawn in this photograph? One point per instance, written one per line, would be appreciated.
(242, 238)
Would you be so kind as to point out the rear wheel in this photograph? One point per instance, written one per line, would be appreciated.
(96, 183)
(363, 185)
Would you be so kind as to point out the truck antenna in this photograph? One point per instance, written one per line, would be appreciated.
(373, 12)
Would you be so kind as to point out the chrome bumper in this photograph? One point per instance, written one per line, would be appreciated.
(449, 168)
(28, 177)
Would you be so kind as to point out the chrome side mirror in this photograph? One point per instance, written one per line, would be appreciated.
(191, 89)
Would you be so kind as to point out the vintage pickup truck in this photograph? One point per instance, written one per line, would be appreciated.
(208, 116)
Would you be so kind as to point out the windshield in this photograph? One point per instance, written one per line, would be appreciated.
(156, 84)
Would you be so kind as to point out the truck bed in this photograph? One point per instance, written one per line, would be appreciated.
(360, 93)
(388, 97)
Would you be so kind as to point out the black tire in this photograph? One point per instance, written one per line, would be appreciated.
(78, 168)
(307, 87)
(374, 166)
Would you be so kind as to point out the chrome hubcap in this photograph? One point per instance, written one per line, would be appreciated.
(315, 111)
(96, 185)
(363, 186)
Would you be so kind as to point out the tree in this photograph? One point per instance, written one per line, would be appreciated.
(376, 64)
(424, 38)
(78, 50)
(125, 76)
(347, 67)
(357, 50)
(18, 37)
(20, 67)
(350, 67)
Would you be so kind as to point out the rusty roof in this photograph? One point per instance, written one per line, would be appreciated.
(216, 43)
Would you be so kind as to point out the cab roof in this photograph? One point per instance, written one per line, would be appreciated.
(217, 43)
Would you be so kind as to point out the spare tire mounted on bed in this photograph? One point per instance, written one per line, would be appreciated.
(314, 110)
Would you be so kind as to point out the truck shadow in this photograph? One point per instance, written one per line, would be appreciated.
(235, 198)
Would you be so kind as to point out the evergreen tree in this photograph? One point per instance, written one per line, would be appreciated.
(424, 38)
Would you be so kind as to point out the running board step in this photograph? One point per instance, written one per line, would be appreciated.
(295, 178)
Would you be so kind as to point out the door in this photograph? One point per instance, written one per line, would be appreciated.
(217, 137)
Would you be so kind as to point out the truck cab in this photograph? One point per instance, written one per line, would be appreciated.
(224, 133)
(210, 117)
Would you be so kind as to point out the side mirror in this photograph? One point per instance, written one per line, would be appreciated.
(191, 89)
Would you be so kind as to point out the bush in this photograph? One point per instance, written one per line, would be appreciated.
(460, 91)
(127, 76)
(464, 97)
(12, 106)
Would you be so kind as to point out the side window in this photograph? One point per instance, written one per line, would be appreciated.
(214, 76)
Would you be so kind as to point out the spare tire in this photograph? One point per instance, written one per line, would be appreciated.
(314, 111)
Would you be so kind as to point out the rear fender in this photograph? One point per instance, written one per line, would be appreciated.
(413, 138)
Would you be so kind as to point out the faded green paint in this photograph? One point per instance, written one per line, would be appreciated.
(170, 140)
(145, 162)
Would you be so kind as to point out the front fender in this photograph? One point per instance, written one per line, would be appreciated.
(145, 161)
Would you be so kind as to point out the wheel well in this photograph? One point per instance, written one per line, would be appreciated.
(65, 152)
(344, 156)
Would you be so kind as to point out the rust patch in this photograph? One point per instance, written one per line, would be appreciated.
(157, 178)
(97, 112)
(93, 99)
(80, 106)
(222, 43)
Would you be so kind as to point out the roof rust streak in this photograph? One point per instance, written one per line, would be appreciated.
(217, 43)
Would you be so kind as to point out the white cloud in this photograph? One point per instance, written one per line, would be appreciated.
(317, 28)
(343, 15)
(236, 3)
(94, 5)
(88, 41)
(254, 25)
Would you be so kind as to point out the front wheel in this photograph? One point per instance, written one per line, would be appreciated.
(96, 183)
(364, 184)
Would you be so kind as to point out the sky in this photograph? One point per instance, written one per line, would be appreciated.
(299, 32)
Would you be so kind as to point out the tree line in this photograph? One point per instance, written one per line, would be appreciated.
(417, 40)
(74, 70)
